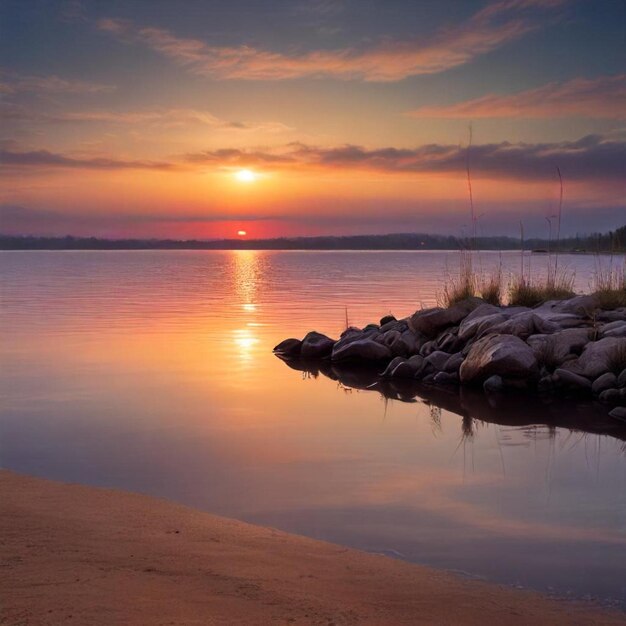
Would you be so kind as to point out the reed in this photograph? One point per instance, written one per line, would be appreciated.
(609, 285)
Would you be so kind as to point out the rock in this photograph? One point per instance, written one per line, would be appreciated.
(505, 355)
(316, 346)
(386, 319)
(611, 316)
(545, 384)
(582, 306)
(478, 326)
(559, 346)
(392, 365)
(604, 382)
(619, 413)
(408, 368)
(446, 378)
(493, 384)
(428, 347)
(597, 356)
(614, 329)
(450, 342)
(483, 310)
(371, 327)
(288, 347)
(572, 380)
(403, 345)
(610, 396)
(388, 337)
(621, 379)
(361, 350)
(453, 364)
(431, 322)
(524, 325)
(437, 360)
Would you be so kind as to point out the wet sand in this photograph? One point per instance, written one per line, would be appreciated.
(81, 555)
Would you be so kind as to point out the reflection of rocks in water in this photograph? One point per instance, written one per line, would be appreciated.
(472, 404)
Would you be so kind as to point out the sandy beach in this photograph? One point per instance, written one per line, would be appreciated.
(83, 555)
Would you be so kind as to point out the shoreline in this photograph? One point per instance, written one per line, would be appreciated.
(78, 554)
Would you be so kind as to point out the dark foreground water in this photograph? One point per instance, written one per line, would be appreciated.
(152, 371)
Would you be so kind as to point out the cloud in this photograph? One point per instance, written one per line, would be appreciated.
(13, 83)
(602, 97)
(389, 60)
(593, 157)
(46, 159)
(166, 118)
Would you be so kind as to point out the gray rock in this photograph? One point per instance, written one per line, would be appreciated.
(611, 316)
(453, 364)
(446, 378)
(572, 380)
(578, 305)
(288, 347)
(610, 396)
(479, 325)
(621, 379)
(614, 329)
(619, 413)
(386, 319)
(408, 368)
(597, 356)
(437, 360)
(315, 346)
(604, 382)
(392, 365)
(428, 347)
(388, 337)
(431, 322)
(561, 345)
(361, 350)
(546, 384)
(493, 384)
(524, 325)
(505, 355)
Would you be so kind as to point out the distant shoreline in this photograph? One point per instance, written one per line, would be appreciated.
(88, 555)
(613, 242)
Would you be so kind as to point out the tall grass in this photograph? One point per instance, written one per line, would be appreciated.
(526, 291)
(609, 284)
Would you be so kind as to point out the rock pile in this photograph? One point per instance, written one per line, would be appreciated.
(567, 347)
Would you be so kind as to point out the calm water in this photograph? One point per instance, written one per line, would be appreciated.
(152, 371)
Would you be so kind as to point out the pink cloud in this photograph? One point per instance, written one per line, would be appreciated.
(602, 97)
(388, 60)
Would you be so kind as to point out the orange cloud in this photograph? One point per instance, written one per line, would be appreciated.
(487, 30)
(603, 97)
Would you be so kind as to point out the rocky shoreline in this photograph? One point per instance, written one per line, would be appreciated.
(562, 348)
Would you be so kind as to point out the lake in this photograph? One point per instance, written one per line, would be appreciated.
(152, 371)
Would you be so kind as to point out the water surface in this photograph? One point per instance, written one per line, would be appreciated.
(152, 371)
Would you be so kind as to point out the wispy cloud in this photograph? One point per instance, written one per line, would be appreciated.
(592, 157)
(602, 97)
(14, 83)
(389, 60)
(153, 118)
(46, 159)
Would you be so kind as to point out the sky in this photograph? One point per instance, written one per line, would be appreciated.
(200, 119)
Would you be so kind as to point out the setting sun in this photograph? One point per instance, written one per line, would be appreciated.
(242, 233)
(246, 176)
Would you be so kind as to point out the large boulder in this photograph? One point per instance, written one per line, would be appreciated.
(477, 326)
(431, 322)
(505, 355)
(288, 347)
(600, 357)
(524, 325)
(361, 350)
(560, 346)
(316, 346)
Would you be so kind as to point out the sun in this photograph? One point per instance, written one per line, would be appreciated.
(245, 176)
(242, 233)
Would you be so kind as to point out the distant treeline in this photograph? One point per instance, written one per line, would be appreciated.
(613, 241)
